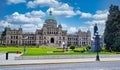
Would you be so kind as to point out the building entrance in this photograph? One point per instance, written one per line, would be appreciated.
(52, 40)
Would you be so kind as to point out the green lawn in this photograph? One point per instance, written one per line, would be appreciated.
(10, 49)
(43, 51)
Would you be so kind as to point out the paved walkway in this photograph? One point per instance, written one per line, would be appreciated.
(65, 57)
(12, 61)
(50, 61)
(11, 56)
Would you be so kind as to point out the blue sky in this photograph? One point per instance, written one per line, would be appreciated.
(71, 14)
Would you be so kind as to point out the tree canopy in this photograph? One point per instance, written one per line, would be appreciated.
(112, 29)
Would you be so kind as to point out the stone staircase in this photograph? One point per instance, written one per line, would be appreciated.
(53, 45)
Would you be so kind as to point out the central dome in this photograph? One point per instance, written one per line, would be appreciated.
(50, 20)
(50, 16)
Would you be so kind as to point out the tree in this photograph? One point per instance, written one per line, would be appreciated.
(112, 29)
(3, 33)
(116, 44)
(72, 47)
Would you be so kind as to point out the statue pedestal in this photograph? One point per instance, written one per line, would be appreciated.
(95, 46)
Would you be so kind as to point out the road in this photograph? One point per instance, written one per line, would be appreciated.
(69, 66)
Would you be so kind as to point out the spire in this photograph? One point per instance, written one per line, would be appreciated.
(8, 26)
(88, 30)
(20, 26)
(50, 16)
(79, 30)
(50, 13)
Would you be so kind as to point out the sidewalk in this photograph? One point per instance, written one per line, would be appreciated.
(53, 61)
(11, 56)
(49, 60)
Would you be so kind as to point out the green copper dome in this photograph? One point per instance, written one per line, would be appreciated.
(50, 16)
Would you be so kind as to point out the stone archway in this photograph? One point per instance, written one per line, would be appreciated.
(52, 40)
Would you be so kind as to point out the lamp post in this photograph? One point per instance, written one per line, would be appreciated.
(97, 45)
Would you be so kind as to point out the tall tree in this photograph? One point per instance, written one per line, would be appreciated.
(4, 32)
(112, 30)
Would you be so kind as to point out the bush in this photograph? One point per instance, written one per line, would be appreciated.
(76, 51)
(57, 51)
(72, 47)
(88, 48)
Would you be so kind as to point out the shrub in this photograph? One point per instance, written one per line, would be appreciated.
(57, 51)
(72, 47)
(88, 48)
(76, 51)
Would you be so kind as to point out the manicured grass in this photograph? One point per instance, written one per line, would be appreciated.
(40, 51)
(10, 49)
(46, 51)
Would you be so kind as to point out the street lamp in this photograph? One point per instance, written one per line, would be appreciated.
(97, 45)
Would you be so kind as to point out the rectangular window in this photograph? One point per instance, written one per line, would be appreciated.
(16, 37)
(63, 38)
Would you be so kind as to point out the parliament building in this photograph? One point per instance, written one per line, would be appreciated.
(51, 34)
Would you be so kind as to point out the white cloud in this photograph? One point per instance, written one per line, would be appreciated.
(49, 3)
(99, 18)
(59, 8)
(96, 22)
(37, 14)
(86, 15)
(78, 12)
(4, 23)
(72, 30)
(16, 1)
(101, 15)
(84, 28)
(66, 13)
(64, 6)
(31, 4)
(83, 14)
(29, 27)
(29, 17)
(30, 21)
(64, 26)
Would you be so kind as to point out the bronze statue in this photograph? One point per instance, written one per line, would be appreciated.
(95, 29)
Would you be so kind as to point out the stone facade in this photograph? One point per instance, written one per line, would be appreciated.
(51, 34)
(80, 38)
